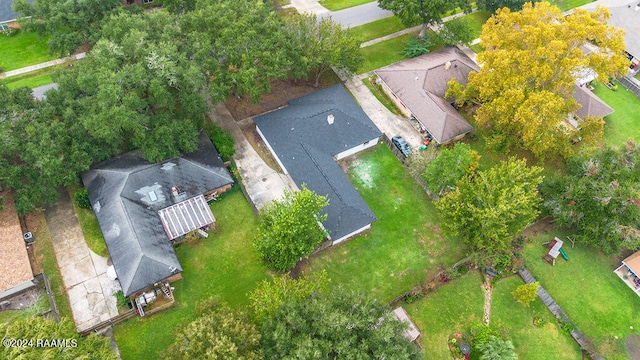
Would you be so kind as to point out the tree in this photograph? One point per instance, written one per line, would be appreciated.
(217, 333)
(425, 12)
(47, 339)
(70, 23)
(486, 211)
(599, 198)
(456, 32)
(416, 46)
(449, 167)
(336, 325)
(497, 349)
(319, 44)
(525, 294)
(528, 72)
(493, 5)
(267, 298)
(290, 229)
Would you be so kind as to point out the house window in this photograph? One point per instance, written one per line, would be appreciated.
(146, 1)
(3, 26)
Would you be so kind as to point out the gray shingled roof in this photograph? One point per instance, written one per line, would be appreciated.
(420, 83)
(119, 190)
(305, 143)
(625, 16)
(591, 105)
(6, 10)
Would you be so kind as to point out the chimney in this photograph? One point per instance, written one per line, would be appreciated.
(330, 119)
(447, 65)
(174, 192)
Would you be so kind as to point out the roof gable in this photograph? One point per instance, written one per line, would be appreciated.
(590, 103)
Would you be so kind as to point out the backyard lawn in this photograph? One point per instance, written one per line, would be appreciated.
(334, 5)
(516, 323)
(596, 300)
(22, 49)
(225, 265)
(404, 245)
(624, 123)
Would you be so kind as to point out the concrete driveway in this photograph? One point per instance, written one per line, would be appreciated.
(83, 272)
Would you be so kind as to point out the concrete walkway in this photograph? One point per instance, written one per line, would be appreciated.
(263, 184)
(83, 272)
(42, 65)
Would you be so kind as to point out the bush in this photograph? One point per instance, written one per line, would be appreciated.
(525, 294)
(81, 198)
(222, 140)
(416, 46)
(480, 333)
(120, 299)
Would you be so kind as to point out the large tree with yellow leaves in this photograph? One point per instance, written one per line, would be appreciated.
(529, 70)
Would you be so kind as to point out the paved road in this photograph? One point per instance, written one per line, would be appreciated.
(360, 14)
(83, 272)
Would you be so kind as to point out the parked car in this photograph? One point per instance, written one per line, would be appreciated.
(402, 145)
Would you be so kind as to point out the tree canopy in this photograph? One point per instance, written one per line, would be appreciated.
(487, 210)
(600, 198)
(443, 173)
(497, 349)
(493, 5)
(71, 345)
(290, 229)
(336, 325)
(528, 73)
(425, 12)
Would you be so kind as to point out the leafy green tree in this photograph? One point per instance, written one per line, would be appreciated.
(425, 12)
(72, 345)
(497, 349)
(493, 5)
(456, 32)
(443, 173)
(527, 75)
(416, 46)
(525, 294)
(488, 210)
(240, 45)
(336, 325)
(290, 229)
(217, 333)
(319, 44)
(267, 298)
(70, 23)
(600, 198)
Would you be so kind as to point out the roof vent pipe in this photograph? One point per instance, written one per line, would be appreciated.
(447, 65)
(330, 119)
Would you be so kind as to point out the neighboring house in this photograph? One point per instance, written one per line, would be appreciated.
(16, 275)
(141, 207)
(629, 272)
(308, 137)
(625, 14)
(8, 17)
(590, 105)
(418, 86)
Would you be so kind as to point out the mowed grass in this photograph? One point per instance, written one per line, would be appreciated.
(90, 227)
(624, 122)
(476, 20)
(565, 5)
(596, 300)
(30, 82)
(335, 5)
(383, 53)
(515, 322)
(22, 49)
(377, 29)
(225, 265)
(403, 247)
(451, 308)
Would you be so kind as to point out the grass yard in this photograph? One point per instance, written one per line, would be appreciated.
(22, 49)
(335, 5)
(383, 53)
(376, 29)
(453, 307)
(477, 48)
(565, 5)
(382, 97)
(516, 323)
(624, 123)
(225, 265)
(31, 82)
(403, 246)
(476, 20)
(90, 228)
(40, 306)
(596, 300)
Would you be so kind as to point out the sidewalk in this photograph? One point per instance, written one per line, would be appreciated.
(83, 272)
(42, 65)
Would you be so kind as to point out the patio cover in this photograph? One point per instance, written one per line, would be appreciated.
(186, 216)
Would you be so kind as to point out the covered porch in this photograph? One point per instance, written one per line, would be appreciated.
(629, 272)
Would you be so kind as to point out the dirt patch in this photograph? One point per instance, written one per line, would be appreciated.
(281, 91)
(542, 226)
(248, 128)
(633, 347)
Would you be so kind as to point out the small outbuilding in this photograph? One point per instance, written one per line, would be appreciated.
(412, 333)
(629, 272)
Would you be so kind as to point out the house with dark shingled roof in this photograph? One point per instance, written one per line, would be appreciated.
(141, 207)
(307, 138)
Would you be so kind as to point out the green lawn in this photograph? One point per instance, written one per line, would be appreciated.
(31, 82)
(477, 48)
(382, 97)
(624, 123)
(90, 228)
(22, 49)
(376, 29)
(40, 306)
(597, 301)
(516, 323)
(383, 53)
(224, 265)
(477, 19)
(334, 5)
(565, 5)
(451, 308)
(403, 246)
